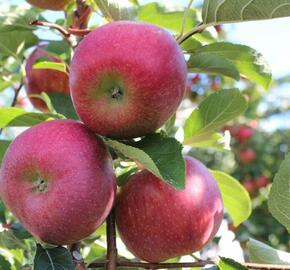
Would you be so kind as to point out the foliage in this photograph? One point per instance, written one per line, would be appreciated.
(219, 64)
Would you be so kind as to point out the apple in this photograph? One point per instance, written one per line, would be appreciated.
(262, 181)
(218, 28)
(49, 4)
(215, 86)
(157, 222)
(127, 79)
(57, 178)
(247, 155)
(244, 133)
(249, 185)
(195, 79)
(44, 80)
(231, 129)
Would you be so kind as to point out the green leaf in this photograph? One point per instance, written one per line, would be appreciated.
(3, 147)
(230, 264)
(159, 154)
(279, 197)
(63, 105)
(14, 117)
(10, 241)
(215, 141)
(52, 258)
(217, 12)
(59, 49)
(262, 253)
(19, 231)
(15, 32)
(200, 62)
(169, 126)
(158, 15)
(190, 44)
(236, 199)
(2, 213)
(212, 113)
(116, 10)
(4, 264)
(124, 173)
(246, 60)
(50, 65)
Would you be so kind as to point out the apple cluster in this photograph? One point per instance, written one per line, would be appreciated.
(126, 79)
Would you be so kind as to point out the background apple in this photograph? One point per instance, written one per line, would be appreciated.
(262, 181)
(249, 185)
(127, 79)
(44, 80)
(49, 4)
(157, 222)
(247, 155)
(244, 133)
(57, 179)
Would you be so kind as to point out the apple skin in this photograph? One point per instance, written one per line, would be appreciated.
(262, 181)
(249, 185)
(157, 222)
(244, 133)
(247, 156)
(44, 80)
(127, 79)
(57, 178)
(49, 4)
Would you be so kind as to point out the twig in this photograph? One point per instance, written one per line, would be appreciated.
(154, 265)
(112, 252)
(55, 26)
(64, 32)
(16, 93)
(197, 29)
(184, 18)
(266, 266)
(79, 32)
(77, 257)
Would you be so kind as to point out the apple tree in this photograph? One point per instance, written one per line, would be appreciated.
(107, 107)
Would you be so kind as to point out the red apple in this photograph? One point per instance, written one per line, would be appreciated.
(195, 79)
(57, 179)
(244, 133)
(157, 222)
(262, 181)
(127, 79)
(247, 155)
(218, 28)
(44, 80)
(231, 129)
(49, 4)
(249, 185)
(215, 86)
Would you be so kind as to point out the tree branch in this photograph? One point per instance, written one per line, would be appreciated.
(198, 29)
(266, 266)
(129, 264)
(55, 26)
(65, 33)
(112, 252)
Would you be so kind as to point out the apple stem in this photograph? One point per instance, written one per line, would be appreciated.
(112, 253)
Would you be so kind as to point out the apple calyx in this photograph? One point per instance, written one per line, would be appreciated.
(40, 185)
(116, 93)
